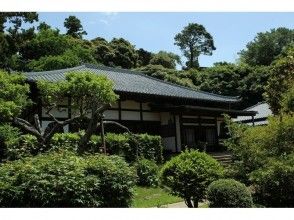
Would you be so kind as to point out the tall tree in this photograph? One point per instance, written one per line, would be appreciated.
(74, 27)
(14, 36)
(194, 40)
(281, 79)
(266, 46)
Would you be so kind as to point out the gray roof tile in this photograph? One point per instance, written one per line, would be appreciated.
(134, 82)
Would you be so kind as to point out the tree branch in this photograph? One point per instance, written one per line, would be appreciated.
(115, 123)
(27, 126)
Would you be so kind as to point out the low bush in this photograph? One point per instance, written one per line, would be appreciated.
(65, 141)
(147, 172)
(23, 146)
(189, 174)
(8, 134)
(63, 179)
(228, 193)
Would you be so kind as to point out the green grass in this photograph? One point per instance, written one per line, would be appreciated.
(152, 197)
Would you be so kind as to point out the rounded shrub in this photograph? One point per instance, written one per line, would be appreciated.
(147, 172)
(229, 193)
(189, 174)
(63, 179)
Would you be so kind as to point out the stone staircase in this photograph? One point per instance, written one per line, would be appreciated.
(224, 158)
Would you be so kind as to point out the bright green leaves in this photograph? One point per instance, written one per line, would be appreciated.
(13, 95)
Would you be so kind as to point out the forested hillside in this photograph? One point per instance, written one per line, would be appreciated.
(41, 47)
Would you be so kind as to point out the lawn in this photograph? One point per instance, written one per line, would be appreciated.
(152, 197)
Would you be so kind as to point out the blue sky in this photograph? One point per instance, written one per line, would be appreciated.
(156, 31)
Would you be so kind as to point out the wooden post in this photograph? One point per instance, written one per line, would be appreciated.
(103, 135)
(252, 120)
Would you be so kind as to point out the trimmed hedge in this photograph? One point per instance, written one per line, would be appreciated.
(229, 193)
(63, 179)
(130, 146)
(147, 172)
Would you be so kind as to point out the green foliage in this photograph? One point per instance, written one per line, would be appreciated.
(13, 95)
(65, 141)
(125, 53)
(228, 193)
(193, 41)
(287, 103)
(266, 46)
(89, 181)
(74, 27)
(22, 146)
(147, 172)
(189, 174)
(144, 57)
(166, 74)
(273, 183)
(8, 134)
(87, 90)
(130, 146)
(281, 79)
(263, 157)
(233, 80)
(166, 59)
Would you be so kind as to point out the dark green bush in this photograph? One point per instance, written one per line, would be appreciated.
(274, 183)
(63, 179)
(147, 172)
(189, 174)
(228, 193)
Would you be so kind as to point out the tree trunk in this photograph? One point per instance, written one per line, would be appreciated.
(188, 203)
(195, 203)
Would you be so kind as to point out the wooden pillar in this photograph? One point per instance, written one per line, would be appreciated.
(253, 124)
(103, 135)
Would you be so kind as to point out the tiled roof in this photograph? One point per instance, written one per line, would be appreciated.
(262, 109)
(134, 82)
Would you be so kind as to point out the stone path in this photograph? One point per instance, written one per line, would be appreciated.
(177, 205)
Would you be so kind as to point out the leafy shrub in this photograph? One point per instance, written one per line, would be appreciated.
(228, 193)
(63, 179)
(14, 145)
(189, 174)
(147, 172)
(24, 146)
(8, 134)
(65, 141)
(274, 183)
(253, 147)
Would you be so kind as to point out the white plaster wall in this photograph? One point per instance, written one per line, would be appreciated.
(59, 113)
(130, 104)
(164, 117)
(151, 116)
(145, 106)
(130, 115)
(111, 114)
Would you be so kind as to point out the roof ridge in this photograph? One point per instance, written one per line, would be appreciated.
(150, 77)
(55, 71)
